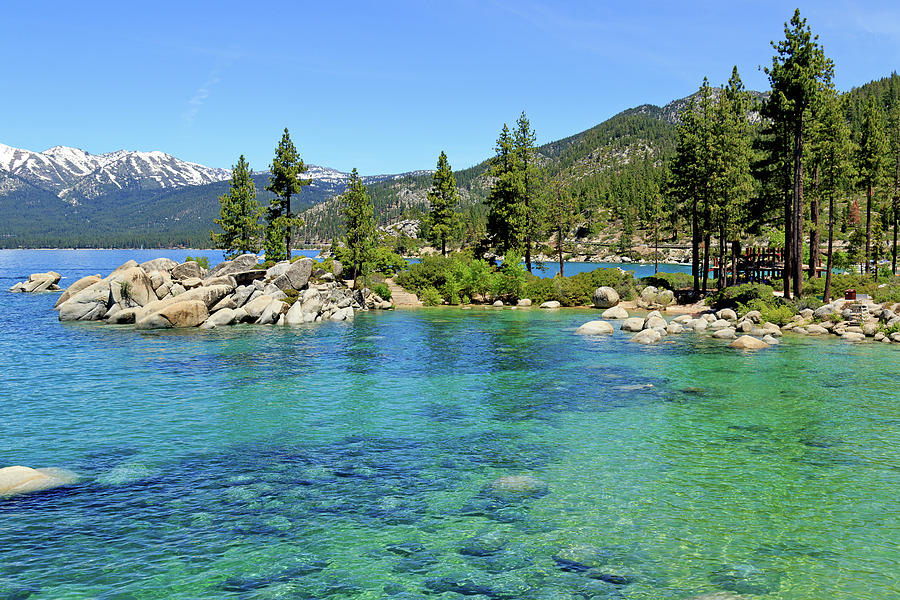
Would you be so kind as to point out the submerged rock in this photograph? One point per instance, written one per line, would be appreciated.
(595, 328)
(17, 480)
(517, 486)
(647, 337)
(746, 342)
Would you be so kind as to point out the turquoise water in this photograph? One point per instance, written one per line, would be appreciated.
(354, 460)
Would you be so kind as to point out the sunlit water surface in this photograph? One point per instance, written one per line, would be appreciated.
(354, 460)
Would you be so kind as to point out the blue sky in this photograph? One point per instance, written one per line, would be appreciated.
(384, 86)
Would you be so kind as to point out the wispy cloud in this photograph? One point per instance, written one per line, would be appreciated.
(200, 96)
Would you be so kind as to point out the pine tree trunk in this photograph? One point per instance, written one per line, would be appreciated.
(287, 240)
(695, 250)
(443, 246)
(814, 232)
(528, 252)
(869, 192)
(706, 242)
(788, 242)
(894, 252)
(720, 284)
(559, 249)
(798, 211)
(828, 262)
(735, 253)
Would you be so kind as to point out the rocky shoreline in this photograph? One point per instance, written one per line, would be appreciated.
(163, 294)
(851, 321)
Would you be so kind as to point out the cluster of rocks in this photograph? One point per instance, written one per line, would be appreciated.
(746, 331)
(723, 324)
(162, 293)
(38, 282)
(839, 318)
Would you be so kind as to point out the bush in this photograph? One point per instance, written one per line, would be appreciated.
(430, 296)
(773, 312)
(200, 260)
(382, 290)
(744, 294)
(454, 277)
(669, 281)
(385, 260)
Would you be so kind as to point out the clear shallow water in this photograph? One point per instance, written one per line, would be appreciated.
(354, 460)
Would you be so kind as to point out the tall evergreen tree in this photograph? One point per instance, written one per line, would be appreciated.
(360, 226)
(799, 73)
(560, 217)
(443, 198)
(523, 143)
(732, 156)
(894, 170)
(240, 214)
(284, 182)
(831, 151)
(871, 162)
(506, 214)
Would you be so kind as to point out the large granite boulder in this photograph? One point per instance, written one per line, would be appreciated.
(306, 308)
(605, 297)
(296, 276)
(76, 287)
(272, 312)
(647, 336)
(632, 324)
(256, 306)
(615, 312)
(244, 262)
(124, 266)
(18, 480)
(131, 287)
(159, 264)
(337, 268)
(595, 328)
(746, 342)
(550, 304)
(38, 282)
(187, 269)
(89, 304)
(208, 294)
(225, 316)
(185, 313)
(653, 296)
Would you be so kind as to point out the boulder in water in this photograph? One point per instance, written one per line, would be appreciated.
(615, 312)
(595, 328)
(747, 342)
(18, 480)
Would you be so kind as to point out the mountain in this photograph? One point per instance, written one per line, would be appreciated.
(68, 197)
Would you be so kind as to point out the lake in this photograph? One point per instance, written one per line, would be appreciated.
(362, 459)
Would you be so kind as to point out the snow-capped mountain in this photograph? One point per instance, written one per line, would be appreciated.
(75, 175)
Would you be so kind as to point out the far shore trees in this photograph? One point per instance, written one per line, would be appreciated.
(240, 212)
(358, 217)
(284, 182)
(443, 198)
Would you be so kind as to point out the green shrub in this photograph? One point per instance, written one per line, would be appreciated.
(744, 294)
(430, 297)
(669, 281)
(773, 312)
(382, 290)
(200, 260)
(385, 260)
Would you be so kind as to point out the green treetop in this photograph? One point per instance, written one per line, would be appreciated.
(443, 198)
(506, 212)
(523, 146)
(240, 214)
(360, 226)
(284, 182)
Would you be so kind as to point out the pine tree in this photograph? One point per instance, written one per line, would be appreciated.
(894, 169)
(443, 198)
(871, 159)
(561, 212)
(799, 72)
(240, 214)
(284, 182)
(506, 217)
(360, 226)
(831, 152)
(731, 159)
(523, 144)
